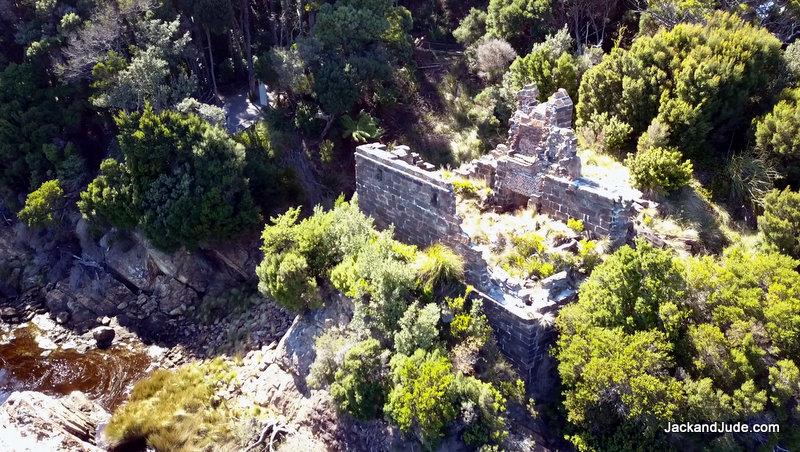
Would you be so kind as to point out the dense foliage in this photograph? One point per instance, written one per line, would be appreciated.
(654, 339)
(399, 356)
(181, 181)
(780, 222)
(702, 81)
(41, 204)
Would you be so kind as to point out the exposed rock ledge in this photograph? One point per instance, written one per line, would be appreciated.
(32, 421)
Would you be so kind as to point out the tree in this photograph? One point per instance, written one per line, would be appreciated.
(702, 81)
(213, 16)
(780, 222)
(778, 135)
(41, 204)
(423, 394)
(653, 339)
(152, 76)
(184, 176)
(471, 28)
(353, 48)
(489, 58)
(359, 387)
(37, 118)
(549, 66)
(519, 22)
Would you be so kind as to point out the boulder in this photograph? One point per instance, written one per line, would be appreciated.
(103, 336)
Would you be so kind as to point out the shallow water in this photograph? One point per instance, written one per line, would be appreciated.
(103, 375)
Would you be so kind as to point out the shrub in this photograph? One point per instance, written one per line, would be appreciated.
(185, 178)
(175, 410)
(423, 395)
(489, 58)
(470, 189)
(437, 267)
(777, 134)
(359, 387)
(605, 133)
(469, 322)
(588, 257)
(519, 22)
(418, 329)
(296, 256)
(659, 169)
(482, 410)
(780, 222)
(528, 244)
(549, 66)
(576, 225)
(109, 197)
(329, 348)
(41, 204)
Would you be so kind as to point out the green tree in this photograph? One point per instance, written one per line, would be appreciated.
(471, 28)
(354, 45)
(519, 22)
(184, 176)
(550, 65)
(418, 328)
(359, 387)
(780, 222)
(423, 397)
(34, 115)
(41, 204)
(704, 82)
(778, 135)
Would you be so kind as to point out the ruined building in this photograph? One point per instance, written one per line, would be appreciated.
(538, 167)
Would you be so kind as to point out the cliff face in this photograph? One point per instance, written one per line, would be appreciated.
(81, 278)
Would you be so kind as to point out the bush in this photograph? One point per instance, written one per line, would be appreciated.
(550, 65)
(41, 204)
(778, 135)
(422, 397)
(296, 257)
(576, 225)
(780, 222)
(482, 410)
(184, 176)
(489, 58)
(519, 22)
(418, 329)
(653, 338)
(330, 348)
(175, 410)
(604, 133)
(359, 387)
(109, 197)
(659, 169)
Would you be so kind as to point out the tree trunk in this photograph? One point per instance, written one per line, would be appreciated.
(248, 51)
(211, 62)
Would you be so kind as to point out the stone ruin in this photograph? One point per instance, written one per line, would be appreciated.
(539, 166)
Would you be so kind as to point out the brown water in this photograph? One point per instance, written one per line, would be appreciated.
(103, 375)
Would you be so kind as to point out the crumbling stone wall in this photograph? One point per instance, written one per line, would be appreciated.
(396, 188)
(540, 167)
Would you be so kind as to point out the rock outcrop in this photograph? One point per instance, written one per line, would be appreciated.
(35, 422)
